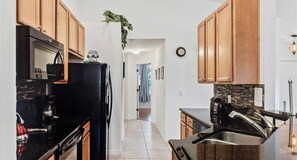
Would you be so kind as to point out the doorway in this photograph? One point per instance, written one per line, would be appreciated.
(144, 85)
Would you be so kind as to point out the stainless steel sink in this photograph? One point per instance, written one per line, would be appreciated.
(215, 141)
(231, 138)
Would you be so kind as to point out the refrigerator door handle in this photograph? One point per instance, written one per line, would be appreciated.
(110, 102)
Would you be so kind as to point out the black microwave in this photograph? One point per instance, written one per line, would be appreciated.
(35, 51)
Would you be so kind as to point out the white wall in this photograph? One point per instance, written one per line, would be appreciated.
(175, 21)
(267, 50)
(7, 80)
(286, 62)
(106, 39)
(159, 114)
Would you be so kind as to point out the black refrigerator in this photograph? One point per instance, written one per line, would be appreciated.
(88, 93)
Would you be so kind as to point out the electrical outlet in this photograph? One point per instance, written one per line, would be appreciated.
(258, 97)
(180, 93)
(229, 98)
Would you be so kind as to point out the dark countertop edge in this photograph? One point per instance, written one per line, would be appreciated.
(280, 129)
(184, 110)
(49, 153)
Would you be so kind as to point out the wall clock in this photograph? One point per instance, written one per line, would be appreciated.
(180, 51)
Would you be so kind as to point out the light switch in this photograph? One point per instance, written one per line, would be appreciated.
(258, 97)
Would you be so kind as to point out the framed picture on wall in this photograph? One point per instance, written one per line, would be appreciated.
(159, 73)
(156, 74)
(162, 72)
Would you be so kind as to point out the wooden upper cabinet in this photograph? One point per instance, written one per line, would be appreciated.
(235, 46)
(201, 52)
(62, 32)
(39, 14)
(81, 40)
(246, 41)
(28, 13)
(210, 53)
(224, 43)
(48, 17)
(73, 33)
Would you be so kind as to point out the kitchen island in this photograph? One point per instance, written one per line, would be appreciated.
(274, 148)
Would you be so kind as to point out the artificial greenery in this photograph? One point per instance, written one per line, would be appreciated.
(125, 25)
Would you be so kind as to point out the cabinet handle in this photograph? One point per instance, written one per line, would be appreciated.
(44, 31)
(39, 28)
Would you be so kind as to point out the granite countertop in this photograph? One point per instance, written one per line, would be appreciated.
(202, 115)
(43, 145)
(274, 148)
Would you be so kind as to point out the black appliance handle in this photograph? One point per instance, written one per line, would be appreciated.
(111, 99)
(58, 55)
(71, 141)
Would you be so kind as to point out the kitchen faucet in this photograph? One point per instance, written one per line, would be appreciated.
(235, 114)
(270, 126)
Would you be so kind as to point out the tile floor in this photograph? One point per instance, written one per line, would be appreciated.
(143, 142)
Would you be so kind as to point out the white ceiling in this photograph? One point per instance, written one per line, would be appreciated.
(143, 45)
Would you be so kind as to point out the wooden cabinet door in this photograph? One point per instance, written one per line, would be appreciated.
(81, 40)
(28, 12)
(48, 17)
(201, 52)
(183, 127)
(173, 156)
(62, 32)
(224, 56)
(189, 131)
(86, 147)
(72, 33)
(210, 46)
(52, 157)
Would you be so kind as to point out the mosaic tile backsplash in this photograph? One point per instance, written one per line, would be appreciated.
(242, 95)
(29, 90)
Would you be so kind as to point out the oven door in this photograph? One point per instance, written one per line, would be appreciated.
(71, 147)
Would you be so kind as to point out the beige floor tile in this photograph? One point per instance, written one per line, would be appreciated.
(154, 153)
(156, 145)
(130, 130)
(136, 159)
(116, 156)
(168, 146)
(150, 134)
(135, 145)
(135, 154)
(153, 139)
(134, 135)
(134, 139)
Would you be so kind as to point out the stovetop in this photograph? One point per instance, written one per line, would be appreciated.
(42, 144)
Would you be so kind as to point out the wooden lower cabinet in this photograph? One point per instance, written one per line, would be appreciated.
(189, 131)
(86, 142)
(52, 157)
(174, 156)
(86, 147)
(186, 126)
(183, 128)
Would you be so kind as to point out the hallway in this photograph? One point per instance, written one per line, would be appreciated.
(143, 142)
